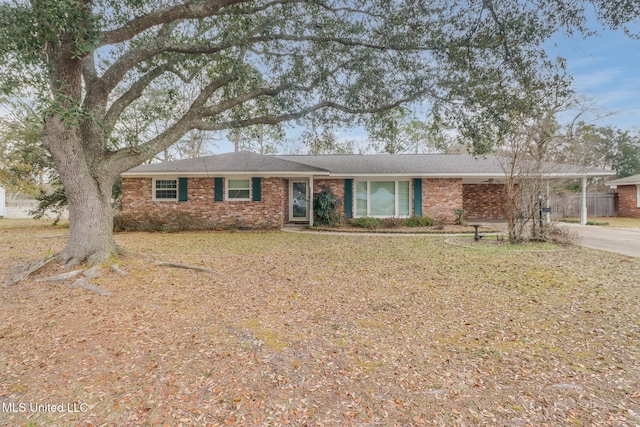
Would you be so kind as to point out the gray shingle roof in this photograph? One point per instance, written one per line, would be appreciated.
(629, 180)
(426, 164)
(436, 165)
(229, 162)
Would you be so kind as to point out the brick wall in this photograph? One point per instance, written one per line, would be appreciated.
(483, 201)
(137, 199)
(284, 203)
(627, 201)
(440, 197)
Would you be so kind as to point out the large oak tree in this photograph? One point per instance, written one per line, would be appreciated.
(87, 64)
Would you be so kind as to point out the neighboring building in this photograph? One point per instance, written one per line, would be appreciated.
(3, 203)
(254, 190)
(628, 190)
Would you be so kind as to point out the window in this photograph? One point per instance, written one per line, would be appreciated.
(361, 198)
(165, 189)
(238, 189)
(383, 198)
(404, 204)
(638, 195)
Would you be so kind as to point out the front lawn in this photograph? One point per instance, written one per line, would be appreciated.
(320, 329)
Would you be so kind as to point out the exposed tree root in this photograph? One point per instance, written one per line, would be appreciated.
(92, 273)
(93, 258)
(89, 273)
(186, 266)
(55, 236)
(84, 284)
(117, 269)
(60, 277)
(27, 270)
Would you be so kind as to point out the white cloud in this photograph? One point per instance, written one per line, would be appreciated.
(598, 78)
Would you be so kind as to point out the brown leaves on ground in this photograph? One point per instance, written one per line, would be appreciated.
(307, 329)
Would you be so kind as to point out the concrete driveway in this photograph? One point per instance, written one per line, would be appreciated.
(625, 241)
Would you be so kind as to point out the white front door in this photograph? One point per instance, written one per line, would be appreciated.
(299, 201)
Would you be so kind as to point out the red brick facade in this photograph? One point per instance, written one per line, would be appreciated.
(440, 197)
(137, 199)
(484, 201)
(628, 201)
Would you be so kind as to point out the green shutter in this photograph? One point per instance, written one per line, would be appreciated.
(182, 189)
(348, 198)
(417, 196)
(256, 186)
(218, 191)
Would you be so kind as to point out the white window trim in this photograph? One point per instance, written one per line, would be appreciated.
(638, 195)
(167, 178)
(397, 199)
(237, 178)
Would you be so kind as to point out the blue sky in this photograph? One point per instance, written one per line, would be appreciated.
(606, 68)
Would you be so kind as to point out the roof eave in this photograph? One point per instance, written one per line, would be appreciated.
(148, 174)
(192, 174)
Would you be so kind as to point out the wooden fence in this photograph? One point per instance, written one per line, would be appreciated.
(569, 205)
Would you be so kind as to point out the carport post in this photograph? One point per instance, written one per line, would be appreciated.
(583, 205)
(310, 198)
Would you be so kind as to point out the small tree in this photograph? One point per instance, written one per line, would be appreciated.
(326, 142)
(263, 139)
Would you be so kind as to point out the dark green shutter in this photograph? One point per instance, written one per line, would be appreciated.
(348, 198)
(182, 189)
(256, 186)
(417, 196)
(218, 191)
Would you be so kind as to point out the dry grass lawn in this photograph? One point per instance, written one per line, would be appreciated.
(312, 329)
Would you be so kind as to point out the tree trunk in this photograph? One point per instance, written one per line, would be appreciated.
(90, 221)
(88, 185)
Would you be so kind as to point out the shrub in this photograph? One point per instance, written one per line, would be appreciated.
(172, 222)
(560, 235)
(367, 222)
(324, 208)
(418, 221)
(129, 222)
(392, 222)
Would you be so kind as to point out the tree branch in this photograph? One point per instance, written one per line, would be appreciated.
(204, 49)
(488, 4)
(272, 120)
(228, 104)
(131, 156)
(164, 16)
(89, 72)
(135, 91)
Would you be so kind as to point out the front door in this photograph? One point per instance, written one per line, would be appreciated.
(299, 209)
